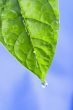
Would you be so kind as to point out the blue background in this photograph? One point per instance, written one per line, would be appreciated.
(21, 90)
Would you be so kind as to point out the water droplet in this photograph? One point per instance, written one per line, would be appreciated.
(34, 52)
(44, 84)
(59, 21)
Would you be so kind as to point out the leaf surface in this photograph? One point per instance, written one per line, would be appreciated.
(29, 30)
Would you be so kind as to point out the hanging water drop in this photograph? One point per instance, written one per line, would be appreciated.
(44, 84)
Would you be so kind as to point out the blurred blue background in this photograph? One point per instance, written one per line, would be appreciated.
(21, 90)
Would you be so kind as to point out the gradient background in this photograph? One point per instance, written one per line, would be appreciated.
(21, 90)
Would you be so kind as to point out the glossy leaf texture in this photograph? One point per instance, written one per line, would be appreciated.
(29, 30)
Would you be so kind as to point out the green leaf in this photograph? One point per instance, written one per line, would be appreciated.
(29, 30)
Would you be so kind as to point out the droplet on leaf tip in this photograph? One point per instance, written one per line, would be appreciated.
(44, 84)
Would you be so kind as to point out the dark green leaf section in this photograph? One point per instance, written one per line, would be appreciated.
(2, 2)
(29, 30)
(15, 37)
